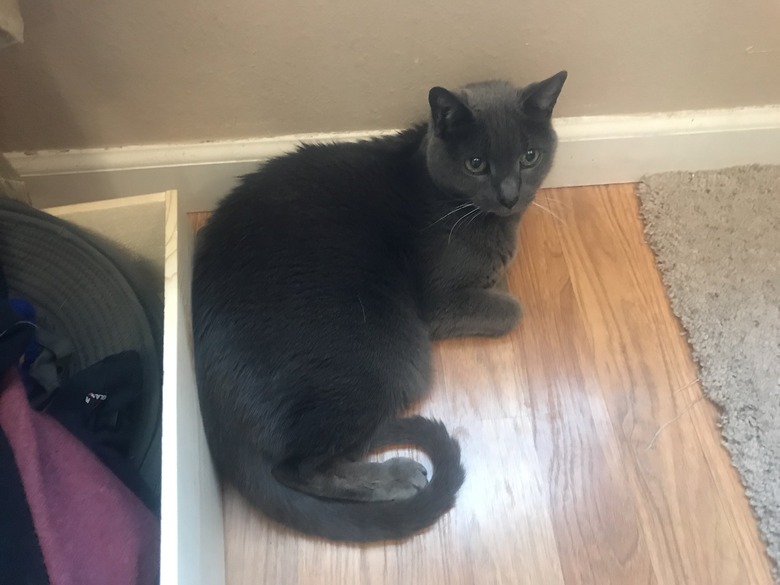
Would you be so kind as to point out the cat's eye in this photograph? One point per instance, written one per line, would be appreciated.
(530, 158)
(476, 165)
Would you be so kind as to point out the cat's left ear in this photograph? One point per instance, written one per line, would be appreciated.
(538, 99)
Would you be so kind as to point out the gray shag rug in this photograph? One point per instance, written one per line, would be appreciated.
(716, 236)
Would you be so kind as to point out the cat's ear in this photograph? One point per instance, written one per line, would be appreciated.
(538, 99)
(449, 114)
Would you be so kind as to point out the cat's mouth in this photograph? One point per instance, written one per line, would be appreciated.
(502, 211)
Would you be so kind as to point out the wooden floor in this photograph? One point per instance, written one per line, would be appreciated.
(591, 456)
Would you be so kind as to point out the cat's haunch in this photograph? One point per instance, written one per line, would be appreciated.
(318, 286)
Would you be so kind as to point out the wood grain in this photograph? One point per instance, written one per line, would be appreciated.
(592, 456)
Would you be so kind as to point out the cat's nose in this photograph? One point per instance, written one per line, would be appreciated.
(508, 201)
(509, 192)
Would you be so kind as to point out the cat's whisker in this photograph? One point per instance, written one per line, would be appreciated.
(446, 215)
(454, 225)
(568, 206)
(449, 238)
(479, 214)
(547, 210)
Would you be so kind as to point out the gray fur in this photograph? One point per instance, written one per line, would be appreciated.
(318, 286)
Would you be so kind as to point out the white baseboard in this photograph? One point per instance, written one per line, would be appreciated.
(591, 151)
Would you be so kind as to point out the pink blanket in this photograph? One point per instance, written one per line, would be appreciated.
(91, 528)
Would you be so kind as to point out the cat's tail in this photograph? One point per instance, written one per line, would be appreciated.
(371, 521)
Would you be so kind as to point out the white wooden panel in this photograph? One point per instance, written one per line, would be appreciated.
(137, 224)
(192, 533)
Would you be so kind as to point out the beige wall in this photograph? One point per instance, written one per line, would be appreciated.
(115, 72)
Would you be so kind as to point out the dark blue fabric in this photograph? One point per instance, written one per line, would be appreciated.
(21, 558)
(16, 333)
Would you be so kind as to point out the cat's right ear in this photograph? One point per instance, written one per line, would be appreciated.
(450, 115)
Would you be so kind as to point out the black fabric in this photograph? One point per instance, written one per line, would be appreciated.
(21, 558)
(102, 399)
(46, 359)
(99, 406)
(15, 332)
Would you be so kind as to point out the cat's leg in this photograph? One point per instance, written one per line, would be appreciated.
(502, 282)
(474, 312)
(361, 481)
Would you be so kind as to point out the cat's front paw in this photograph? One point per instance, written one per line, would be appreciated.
(506, 315)
(480, 312)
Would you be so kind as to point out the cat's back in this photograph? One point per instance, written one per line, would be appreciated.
(332, 215)
(328, 180)
(318, 191)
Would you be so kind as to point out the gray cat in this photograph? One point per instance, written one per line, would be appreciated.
(318, 285)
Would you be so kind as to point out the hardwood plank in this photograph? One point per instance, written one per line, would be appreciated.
(595, 518)
(579, 469)
(641, 362)
(198, 219)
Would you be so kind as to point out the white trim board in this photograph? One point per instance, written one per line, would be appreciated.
(592, 150)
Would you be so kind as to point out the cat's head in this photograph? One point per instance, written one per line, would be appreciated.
(493, 143)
